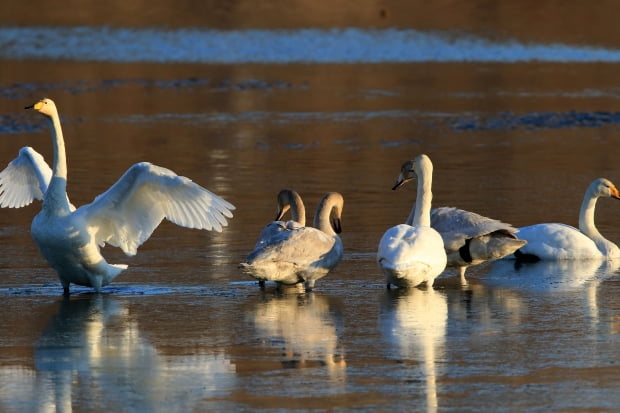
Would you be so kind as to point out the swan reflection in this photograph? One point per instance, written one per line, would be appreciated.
(306, 326)
(92, 346)
(414, 323)
(564, 276)
(547, 275)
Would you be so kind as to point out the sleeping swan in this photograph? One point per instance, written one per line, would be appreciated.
(301, 254)
(412, 254)
(124, 216)
(563, 242)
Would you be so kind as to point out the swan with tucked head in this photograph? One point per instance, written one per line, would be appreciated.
(124, 216)
(288, 200)
(555, 241)
(297, 254)
(413, 254)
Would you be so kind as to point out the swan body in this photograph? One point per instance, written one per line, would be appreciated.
(287, 200)
(124, 216)
(471, 239)
(413, 254)
(556, 241)
(300, 254)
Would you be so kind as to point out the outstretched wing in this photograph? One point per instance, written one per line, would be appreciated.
(127, 214)
(24, 179)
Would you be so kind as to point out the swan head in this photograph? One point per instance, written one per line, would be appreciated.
(413, 168)
(286, 199)
(335, 216)
(45, 106)
(604, 187)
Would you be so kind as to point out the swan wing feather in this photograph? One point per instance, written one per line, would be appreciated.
(557, 241)
(273, 228)
(456, 226)
(24, 179)
(127, 214)
(302, 246)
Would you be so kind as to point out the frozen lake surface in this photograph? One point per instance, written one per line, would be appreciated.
(517, 126)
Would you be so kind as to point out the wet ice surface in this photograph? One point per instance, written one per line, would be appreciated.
(351, 343)
(183, 329)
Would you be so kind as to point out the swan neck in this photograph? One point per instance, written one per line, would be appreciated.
(55, 198)
(322, 218)
(60, 159)
(421, 212)
(586, 217)
(298, 210)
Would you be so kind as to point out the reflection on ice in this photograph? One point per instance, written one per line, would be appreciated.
(92, 345)
(307, 329)
(576, 276)
(548, 275)
(414, 323)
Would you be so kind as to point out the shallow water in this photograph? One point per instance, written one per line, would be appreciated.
(182, 329)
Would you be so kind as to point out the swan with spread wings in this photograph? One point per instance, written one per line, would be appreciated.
(124, 216)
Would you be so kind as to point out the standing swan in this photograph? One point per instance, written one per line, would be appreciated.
(301, 254)
(287, 200)
(469, 238)
(563, 242)
(124, 216)
(412, 254)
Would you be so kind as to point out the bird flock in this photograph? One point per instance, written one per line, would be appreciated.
(411, 254)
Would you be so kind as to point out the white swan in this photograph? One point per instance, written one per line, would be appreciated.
(412, 254)
(301, 254)
(471, 239)
(564, 242)
(124, 216)
(287, 200)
